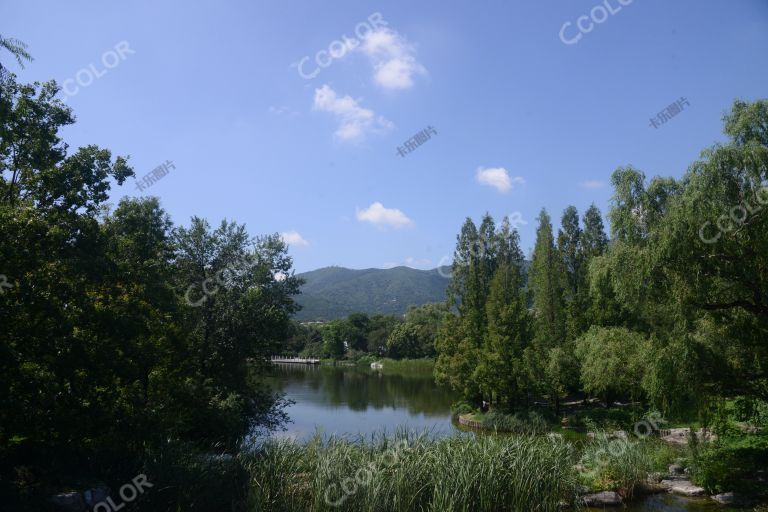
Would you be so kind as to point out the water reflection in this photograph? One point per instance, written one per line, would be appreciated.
(350, 401)
(671, 503)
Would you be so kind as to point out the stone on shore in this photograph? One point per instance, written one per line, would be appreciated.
(679, 436)
(602, 499)
(683, 487)
(68, 501)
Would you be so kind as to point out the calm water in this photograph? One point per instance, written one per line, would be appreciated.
(351, 401)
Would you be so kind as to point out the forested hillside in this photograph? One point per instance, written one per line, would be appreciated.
(335, 292)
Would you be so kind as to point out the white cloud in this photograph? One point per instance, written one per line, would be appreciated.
(293, 238)
(498, 177)
(418, 262)
(354, 121)
(394, 63)
(379, 215)
(592, 184)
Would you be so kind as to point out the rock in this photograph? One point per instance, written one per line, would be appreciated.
(69, 501)
(683, 487)
(675, 469)
(679, 436)
(730, 498)
(602, 499)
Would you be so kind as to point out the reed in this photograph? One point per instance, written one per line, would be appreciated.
(407, 472)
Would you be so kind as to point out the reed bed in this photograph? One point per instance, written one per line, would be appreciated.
(410, 472)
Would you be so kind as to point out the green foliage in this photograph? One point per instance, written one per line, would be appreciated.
(527, 422)
(752, 411)
(688, 259)
(18, 49)
(617, 463)
(460, 408)
(547, 282)
(122, 334)
(733, 463)
(612, 362)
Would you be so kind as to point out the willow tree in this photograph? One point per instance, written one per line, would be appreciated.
(690, 257)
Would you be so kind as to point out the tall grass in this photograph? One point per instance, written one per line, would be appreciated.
(529, 422)
(617, 463)
(407, 472)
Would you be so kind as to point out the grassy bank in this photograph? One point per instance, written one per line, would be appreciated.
(401, 366)
(408, 472)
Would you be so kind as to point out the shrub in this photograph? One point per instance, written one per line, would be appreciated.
(460, 408)
(731, 463)
(617, 463)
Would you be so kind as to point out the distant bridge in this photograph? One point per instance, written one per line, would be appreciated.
(293, 360)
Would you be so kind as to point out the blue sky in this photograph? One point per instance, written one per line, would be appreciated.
(522, 119)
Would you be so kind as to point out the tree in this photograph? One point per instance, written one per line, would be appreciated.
(569, 245)
(500, 370)
(612, 362)
(594, 241)
(472, 269)
(379, 329)
(415, 337)
(18, 49)
(688, 256)
(547, 282)
(335, 338)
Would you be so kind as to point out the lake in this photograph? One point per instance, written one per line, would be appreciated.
(351, 401)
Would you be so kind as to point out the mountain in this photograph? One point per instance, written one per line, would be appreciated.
(335, 292)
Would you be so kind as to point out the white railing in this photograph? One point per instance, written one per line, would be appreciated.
(296, 360)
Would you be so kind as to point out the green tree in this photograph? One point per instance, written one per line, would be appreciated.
(500, 370)
(335, 338)
(569, 245)
(18, 49)
(547, 281)
(612, 362)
